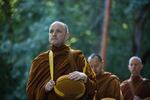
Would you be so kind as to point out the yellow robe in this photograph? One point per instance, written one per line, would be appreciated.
(108, 85)
(40, 74)
(135, 85)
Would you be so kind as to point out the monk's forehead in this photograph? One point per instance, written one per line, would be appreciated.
(95, 59)
(57, 24)
(135, 61)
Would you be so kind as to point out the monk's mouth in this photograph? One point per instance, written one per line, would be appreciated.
(54, 38)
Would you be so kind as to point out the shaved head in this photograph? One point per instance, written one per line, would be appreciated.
(61, 23)
(135, 65)
(135, 57)
(58, 33)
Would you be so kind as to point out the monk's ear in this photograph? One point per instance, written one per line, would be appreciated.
(103, 63)
(129, 67)
(67, 36)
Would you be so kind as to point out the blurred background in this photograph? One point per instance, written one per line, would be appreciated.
(24, 34)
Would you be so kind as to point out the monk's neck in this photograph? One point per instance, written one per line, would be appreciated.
(135, 78)
(59, 49)
(100, 73)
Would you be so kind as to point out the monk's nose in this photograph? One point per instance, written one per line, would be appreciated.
(134, 67)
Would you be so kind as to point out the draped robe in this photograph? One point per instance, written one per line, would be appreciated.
(137, 86)
(108, 85)
(40, 73)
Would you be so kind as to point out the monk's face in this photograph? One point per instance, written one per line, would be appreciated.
(57, 34)
(96, 65)
(135, 67)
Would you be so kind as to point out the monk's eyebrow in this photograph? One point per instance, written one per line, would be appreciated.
(51, 30)
(58, 30)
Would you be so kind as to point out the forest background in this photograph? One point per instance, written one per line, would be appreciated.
(24, 34)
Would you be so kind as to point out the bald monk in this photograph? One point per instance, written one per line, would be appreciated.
(40, 86)
(136, 87)
(108, 85)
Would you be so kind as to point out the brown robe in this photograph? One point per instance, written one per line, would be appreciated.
(40, 74)
(108, 85)
(135, 85)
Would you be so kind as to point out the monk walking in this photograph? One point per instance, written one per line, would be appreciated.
(40, 86)
(136, 87)
(108, 85)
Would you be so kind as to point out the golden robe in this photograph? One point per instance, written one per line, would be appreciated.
(40, 73)
(135, 85)
(108, 85)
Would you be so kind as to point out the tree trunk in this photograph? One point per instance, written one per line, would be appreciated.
(105, 30)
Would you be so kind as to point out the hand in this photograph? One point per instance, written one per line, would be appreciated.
(78, 76)
(49, 86)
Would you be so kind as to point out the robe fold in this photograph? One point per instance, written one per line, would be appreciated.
(40, 73)
(108, 85)
(135, 86)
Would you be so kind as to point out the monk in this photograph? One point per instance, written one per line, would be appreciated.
(136, 87)
(108, 85)
(40, 86)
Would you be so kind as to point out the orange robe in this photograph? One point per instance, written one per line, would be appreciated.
(108, 85)
(40, 74)
(135, 85)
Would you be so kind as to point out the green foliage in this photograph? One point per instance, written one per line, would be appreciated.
(24, 34)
